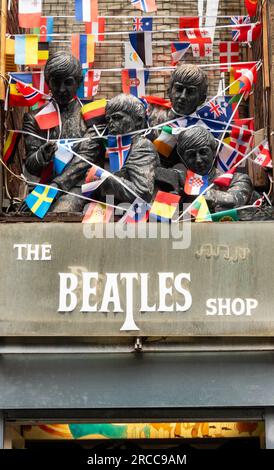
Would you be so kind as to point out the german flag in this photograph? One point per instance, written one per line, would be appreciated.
(94, 112)
(10, 146)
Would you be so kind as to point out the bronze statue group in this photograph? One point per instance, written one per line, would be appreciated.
(145, 171)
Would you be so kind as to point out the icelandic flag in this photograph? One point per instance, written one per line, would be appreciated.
(145, 5)
(118, 148)
(86, 10)
(40, 200)
(195, 184)
(63, 156)
(142, 24)
(178, 50)
(134, 82)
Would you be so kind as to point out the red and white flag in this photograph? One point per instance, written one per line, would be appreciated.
(187, 22)
(247, 76)
(91, 83)
(31, 95)
(97, 28)
(241, 135)
(251, 6)
(201, 42)
(47, 117)
(224, 181)
(229, 53)
(263, 156)
(29, 13)
(38, 81)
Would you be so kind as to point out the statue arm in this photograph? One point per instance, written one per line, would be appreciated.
(35, 161)
(237, 195)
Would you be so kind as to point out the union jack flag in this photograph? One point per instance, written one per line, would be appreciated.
(142, 24)
(218, 109)
(145, 5)
(118, 147)
(240, 32)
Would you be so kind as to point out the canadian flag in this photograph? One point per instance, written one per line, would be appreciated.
(47, 117)
(263, 156)
(201, 42)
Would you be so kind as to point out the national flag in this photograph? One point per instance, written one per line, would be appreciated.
(38, 81)
(62, 156)
(227, 156)
(10, 146)
(218, 109)
(242, 135)
(31, 95)
(251, 6)
(225, 180)
(91, 83)
(40, 200)
(137, 212)
(118, 148)
(164, 206)
(234, 84)
(86, 10)
(178, 50)
(94, 112)
(134, 82)
(45, 30)
(187, 22)
(43, 52)
(97, 212)
(94, 178)
(247, 33)
(229, 53)
(97, 29)
(263, 155)
(194, 183)
(157, 101)
(239, 31)
(142, 24)
(203, 214)
(132, 60)
(47, 117)
(231, 215)
(142, 44)
(166, 142)
(82, 47)
(29, 13)
(15, 97)
(147, 6)
(201, 42)
(247, 79)
(26, 49)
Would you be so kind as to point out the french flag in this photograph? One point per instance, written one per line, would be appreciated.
(86, 10)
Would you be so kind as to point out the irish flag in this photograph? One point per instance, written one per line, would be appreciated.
(166, 142)
(29, 12)
(47, 117)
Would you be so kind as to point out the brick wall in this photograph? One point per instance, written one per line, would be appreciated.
(110, 54)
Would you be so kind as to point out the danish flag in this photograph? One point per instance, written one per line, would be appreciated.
(263, 156)
(229, 53)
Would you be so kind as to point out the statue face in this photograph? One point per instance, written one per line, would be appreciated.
(63, 89)
(120, 122)
(185, 98)
(199, 160)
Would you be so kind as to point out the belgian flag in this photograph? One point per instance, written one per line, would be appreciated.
(10, 146)
(43, 52)
(94, 112)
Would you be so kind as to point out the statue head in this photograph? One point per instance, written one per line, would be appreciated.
(196, 148)
(125, 114)
(187, 88)
(63, 74)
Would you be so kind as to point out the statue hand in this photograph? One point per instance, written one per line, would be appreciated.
(48, 150)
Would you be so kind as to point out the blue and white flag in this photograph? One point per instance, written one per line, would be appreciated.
(118, 148)
(63, 155)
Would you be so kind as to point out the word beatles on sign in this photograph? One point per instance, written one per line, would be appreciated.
(102, 293)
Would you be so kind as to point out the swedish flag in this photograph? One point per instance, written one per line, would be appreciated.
(40, 200)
